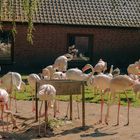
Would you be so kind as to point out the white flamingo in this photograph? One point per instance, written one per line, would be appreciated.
(12, 81)
(48, 71)
(32, 80)
(61, 63)
(47, 93)
(78, 75)
(101, 66)
(116, 72)
(118, 84)
(101, 82)
(59, 75)
(134, 68)
(4, 96)
(136, 88)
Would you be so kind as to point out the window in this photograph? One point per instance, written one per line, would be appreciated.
(6, 43)
(80, 46)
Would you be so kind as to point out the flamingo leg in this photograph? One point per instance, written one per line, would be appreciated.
(15, 101)
(33, 105)
(6, 105)
(119, 103)
(10, 103)
(102, 103)
(10, 92)
(58, 107)
(2, 111)
(7, 122)
(108, 109)
(39, 117)
(78, 108)
(46, 116)
(128, 108)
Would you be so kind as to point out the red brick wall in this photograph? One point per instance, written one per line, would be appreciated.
(118, 46)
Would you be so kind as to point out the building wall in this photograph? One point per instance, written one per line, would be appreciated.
(117, 46)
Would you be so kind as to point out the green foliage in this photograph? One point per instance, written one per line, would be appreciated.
(55, 122)
(24, 95)
(29, 7)
(0, 14)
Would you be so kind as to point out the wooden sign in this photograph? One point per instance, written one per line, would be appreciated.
(64, 87)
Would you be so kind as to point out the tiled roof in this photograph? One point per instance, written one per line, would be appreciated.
(122, 13)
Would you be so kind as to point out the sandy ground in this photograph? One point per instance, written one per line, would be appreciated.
(72, 130)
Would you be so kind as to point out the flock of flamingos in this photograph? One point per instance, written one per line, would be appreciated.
(112, 82)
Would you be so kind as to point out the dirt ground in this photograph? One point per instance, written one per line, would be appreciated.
(71, 130)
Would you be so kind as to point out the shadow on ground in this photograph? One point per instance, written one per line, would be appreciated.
(98, 133)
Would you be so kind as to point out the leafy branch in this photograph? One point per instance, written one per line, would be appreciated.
(11, 8)
(1, 3)
(30, 7)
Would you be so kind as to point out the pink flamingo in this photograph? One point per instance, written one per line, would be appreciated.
(118, 84)
(4, 104)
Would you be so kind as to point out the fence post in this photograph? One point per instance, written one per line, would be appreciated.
(36, 103)
(83, 105)
(71, 106)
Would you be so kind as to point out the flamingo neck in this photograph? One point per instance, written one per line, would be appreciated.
(92, 70)
(1, 81)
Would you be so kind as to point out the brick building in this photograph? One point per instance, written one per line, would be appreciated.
(98, 29)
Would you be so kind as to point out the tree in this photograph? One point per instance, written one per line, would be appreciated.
(29, 7)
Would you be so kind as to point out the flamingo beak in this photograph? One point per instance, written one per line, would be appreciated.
(85, 68)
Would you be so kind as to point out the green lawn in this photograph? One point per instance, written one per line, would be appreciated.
(90, 97)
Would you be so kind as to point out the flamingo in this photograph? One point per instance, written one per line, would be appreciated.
(118, 84)
(47, 93)
(12, 81)
(100, 82)
(61, 62)
(101, 66)
(4, 96)
(134, 68)
(136, 88)
(116, 72)
(78, 75)
(48, 71)
(32, 79)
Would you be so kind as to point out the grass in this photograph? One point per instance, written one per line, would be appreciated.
(90, 97)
